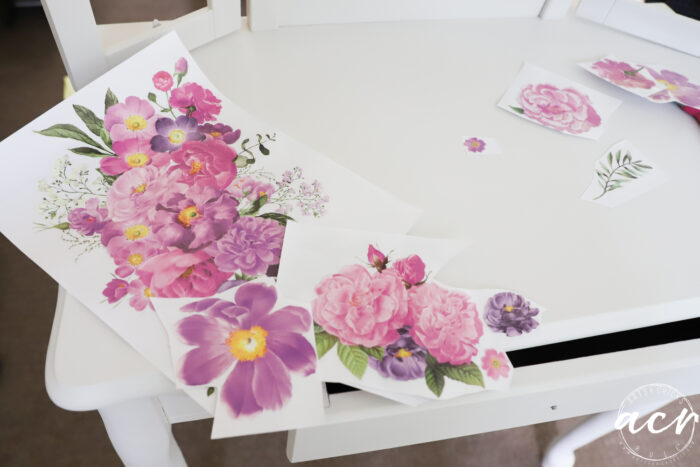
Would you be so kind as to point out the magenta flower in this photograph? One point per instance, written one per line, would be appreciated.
(376, 258)
(132, 153)
(561, 109)
(133, 118)
(88, 220)
(115, 290)
(129, 255)
(678, 85)
(163, 81)
(262, 346)
(251, 245)
(622, 73)
(194, 101)
(193, 219)
(495, 364)
(206, 163)
(221, 132)
(361, 308)
(249, 188)
(445, 322)
(140, 295)
(411, 269)
(179, 274)
(181, 65)
(475, 144)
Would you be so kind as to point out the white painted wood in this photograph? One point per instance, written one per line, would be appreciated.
(539, 394)
(555, 9)
(262, 14)
(179, 407)
(88, 49)
(653, 22)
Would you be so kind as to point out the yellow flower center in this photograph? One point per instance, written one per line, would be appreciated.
(147, 292)
(403, 353)
(135, 259)
(137, 159)
(135, 122)
(176, 136)
(188, 215)
(196, 167)
(139, 189)
(215, 134)
(248, 345)
(475, 144)
(187, 273)
(261, 194)
(508, 308)
(136, 231)
(496, 363)
(669, 86)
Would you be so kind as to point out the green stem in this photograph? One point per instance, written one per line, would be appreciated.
(609, 177)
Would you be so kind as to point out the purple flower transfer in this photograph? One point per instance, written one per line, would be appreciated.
(262, 346)
(220, 131)
(403, 360)
(678, 85)
(475, 144)
(172, 133)
(511, 314)
(90, 219)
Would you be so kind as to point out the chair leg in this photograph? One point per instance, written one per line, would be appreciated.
(141, 434)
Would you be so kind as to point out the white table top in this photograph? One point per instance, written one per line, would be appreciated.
(392, 102)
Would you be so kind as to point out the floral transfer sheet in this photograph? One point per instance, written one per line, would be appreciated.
(382, 322)
(149, 183)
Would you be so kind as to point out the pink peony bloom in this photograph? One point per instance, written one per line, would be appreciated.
(445, 322)
(129, 255)
(194, 101)
(249, 188)
(205, 162)
(621, 73)
(376, 258)
(163, 81)
(411, 269)
(561, 109)
(132, 153)
(88, 220)
(140, 295)
(678, 85)
(181, 65)
(361, 308)
(133, 118)
(178, 274)
(115, 290)
(495, 364)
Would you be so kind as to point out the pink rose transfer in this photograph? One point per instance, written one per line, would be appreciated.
(561, 109)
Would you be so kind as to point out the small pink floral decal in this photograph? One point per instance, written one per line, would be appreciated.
(495, 364)
(622, 74)
(678, 86)
(475, 144)
(162, 81)
(561, 109)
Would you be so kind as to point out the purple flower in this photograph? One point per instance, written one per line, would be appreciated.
(678, 85)
(115, 290)
(403, 360)
(475, 144)
(262, 346)
(90, 219)
(251, 245)
(172, 133)
(193, 219)
(221, 131)
(511, 314)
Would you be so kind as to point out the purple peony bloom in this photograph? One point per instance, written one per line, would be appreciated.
(193, 219)
(403, 360)
(511, 314)
(221, 131)
(90, 219)
(262, 346)
(251, 246)
(172, 133)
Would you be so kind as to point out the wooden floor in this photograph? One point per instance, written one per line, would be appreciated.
(34, 432)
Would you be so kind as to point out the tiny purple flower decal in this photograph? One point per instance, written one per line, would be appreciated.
(403, 360)
(220, 131)
(263, 347)
(475, 144)
(88, 220)
(510, 314)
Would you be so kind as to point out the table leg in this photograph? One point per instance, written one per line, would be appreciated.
(141, 434)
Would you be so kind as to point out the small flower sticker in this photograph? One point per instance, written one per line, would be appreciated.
(475, 144)
(495, 364)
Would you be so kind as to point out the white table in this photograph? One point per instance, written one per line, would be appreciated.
(391, 102)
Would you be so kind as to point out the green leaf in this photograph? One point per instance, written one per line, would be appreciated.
(638, 164)
(318, 328)
(610, 159)
(263, 150)
(627, 159)
(353, 358)
(324, 342)
(517, 110)
(151, 97)
(210, 391)
(110, 99)
(110, 179)
(376, 352)
(255, 206)
(90, 152)
(466, 373)
(94, 124)
(281, 218)
(66, 130)
(434, 379)
(242, 161)
(244, 142)
(617, 157)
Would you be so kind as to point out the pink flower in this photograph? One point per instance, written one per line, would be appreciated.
(163, 81)
(561, 109)
(90, 219)
(134, 118)
(250, 188)
(411, 269)
(376, 258)
(181, 65)
(115, 290)
(179, 274)
(206, 163)
(621, 73)
(495, 364)
(361, 308)
(132, 153)
(475, 144)
(140, 295)
(445, 322)
(195, 101)
(678, 85)
(129, 255)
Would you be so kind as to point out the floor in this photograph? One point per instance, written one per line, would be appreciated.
(34, 432)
